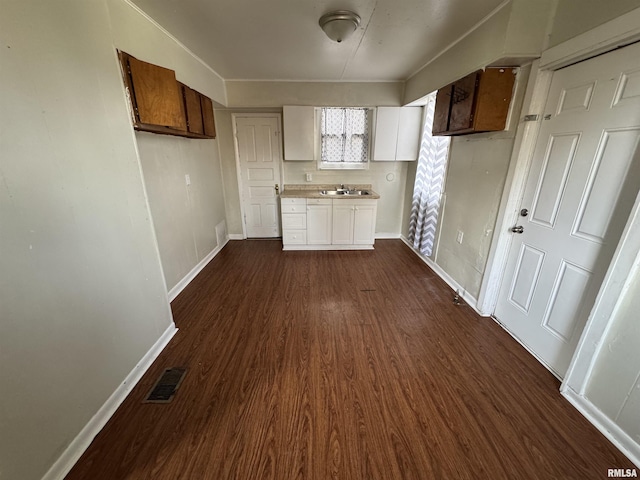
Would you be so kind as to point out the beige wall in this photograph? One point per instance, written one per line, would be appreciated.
(574, 17)
(277, 94)
(263, 97)
(81, 289)
(184, 217)
(476, 175)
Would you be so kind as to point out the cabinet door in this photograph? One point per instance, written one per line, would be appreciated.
(299, 132)
(442, 110)
(319, 224)
(409, 132)
(193, 110)
(462, 102)
(207, 116)
(156, 94)
(494, 97)
(364, 224)
(342, 223)
(386, 134)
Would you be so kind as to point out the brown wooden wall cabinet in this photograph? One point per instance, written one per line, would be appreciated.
(476, 103)
(161, 104)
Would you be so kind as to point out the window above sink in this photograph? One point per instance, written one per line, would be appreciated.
(344, 135)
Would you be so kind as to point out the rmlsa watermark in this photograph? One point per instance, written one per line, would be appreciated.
(622, 473)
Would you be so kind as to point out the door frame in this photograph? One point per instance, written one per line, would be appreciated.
(626, 259)
(620, 31)
(234, 117)
(625, 263)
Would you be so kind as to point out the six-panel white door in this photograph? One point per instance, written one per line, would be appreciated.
(259, 157)
(584, 177)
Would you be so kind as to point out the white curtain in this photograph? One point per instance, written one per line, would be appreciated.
(345, 135)
(429, 185)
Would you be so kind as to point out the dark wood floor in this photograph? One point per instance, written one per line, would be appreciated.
(342, 365)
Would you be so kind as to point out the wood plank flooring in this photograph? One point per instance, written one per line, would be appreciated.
(342, 365)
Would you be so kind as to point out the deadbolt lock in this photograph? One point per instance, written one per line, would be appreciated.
(524, 212)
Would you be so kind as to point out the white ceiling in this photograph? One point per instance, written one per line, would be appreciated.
(281, 39)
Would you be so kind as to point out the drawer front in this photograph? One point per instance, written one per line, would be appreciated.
(293, 201)
(294, 237)
(293, 208)
(356, 201)
(292, 221)
(319, 201)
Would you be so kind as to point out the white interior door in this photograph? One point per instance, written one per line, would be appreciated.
(259, 159)
(584, 177)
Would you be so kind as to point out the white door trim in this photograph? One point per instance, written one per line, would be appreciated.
(626, 260)
(622, 270)
(619, 31)
(234, 117)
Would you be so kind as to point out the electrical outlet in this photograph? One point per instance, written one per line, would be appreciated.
(460, 237)
(187, 179)
(309, 177)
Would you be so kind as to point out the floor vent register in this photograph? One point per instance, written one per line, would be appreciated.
(166, 386)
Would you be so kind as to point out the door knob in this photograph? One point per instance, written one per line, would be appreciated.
(277, 189)
(518, 229)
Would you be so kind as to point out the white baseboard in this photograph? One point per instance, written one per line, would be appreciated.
(181, 285)
(326, 247)
(387, 236)
(236, 236)
(607, 427)
(76, 448)
(468, 298)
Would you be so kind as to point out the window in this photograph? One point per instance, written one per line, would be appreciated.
(344, 138)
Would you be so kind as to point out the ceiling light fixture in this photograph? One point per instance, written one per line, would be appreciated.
(339, 25)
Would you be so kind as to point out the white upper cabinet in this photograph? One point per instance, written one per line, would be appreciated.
(386, 133)
(397, 133)
(299, 132)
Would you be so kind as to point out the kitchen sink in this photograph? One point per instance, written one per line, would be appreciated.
(345, 192)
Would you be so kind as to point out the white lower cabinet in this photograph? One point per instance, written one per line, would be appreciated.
(294, 221)
(343, 222)
(319, 215)
(364, 224)
(354, 222)
(328, 224)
